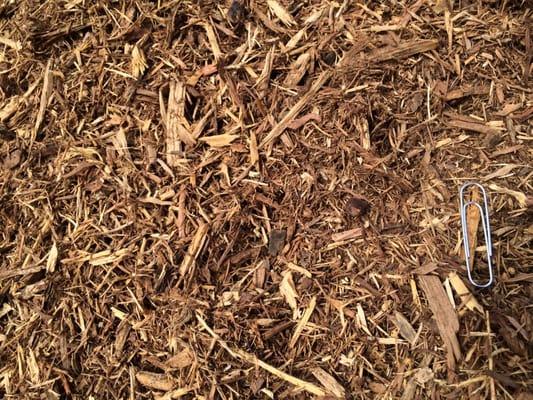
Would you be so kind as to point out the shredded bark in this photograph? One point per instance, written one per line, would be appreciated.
(259, 199)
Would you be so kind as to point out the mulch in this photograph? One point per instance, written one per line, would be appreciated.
(259, 199)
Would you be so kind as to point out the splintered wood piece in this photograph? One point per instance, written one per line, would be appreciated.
(280, 12)
(529, 54)
(505, 170)
(364, 132)
(206, 70)
(466, 296)
(445, 316)
(280, 127)
(361, 319)
(45, 96)
(100, 258)
(180, 221)
(155, 381)
(288, 291)
(229, 80)
(52, 258)
(468, 90)
(299, 122)
(33, 367)
(138, 62)
(520, 197)
(178, 130)
(329, 382)
(120, 143)
(194, 249)
(403, 50)
(213, 42)
(252, 359)
(299, 269)
(174, 394)
(254, 152)
(222, 140)
(181, 360)
(293, 41)
(264, 79)
(473, 126)
(297, 70)
(404, 326)
(303, 321)
(347, 235)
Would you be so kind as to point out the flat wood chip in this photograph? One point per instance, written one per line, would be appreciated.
(445, 316)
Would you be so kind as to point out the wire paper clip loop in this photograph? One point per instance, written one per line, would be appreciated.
(484, 211)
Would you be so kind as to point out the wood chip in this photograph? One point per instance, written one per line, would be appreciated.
(177, 128)
(138, 62)
(236, 353)
(473, 126)
(329, 382)
(520, 197)
(280, 12)
(303, 321)
(187, 265)
(174, 394)
(445, 316)
(288, 291)
(403, 50)
(181, 360)
(45, 96)
(347, 235)
(213, 41)
(406, 329)
(219, 140)
(462, 291)
(466, 91)
(299, 122)
(280, 127)
(155, 381)
(297, 70)
(51, 260)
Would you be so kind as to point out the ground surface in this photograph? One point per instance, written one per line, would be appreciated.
(259, 199)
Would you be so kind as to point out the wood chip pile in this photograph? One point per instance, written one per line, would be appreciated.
(258, 199)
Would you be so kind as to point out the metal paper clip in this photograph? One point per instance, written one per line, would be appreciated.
(484, 212)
